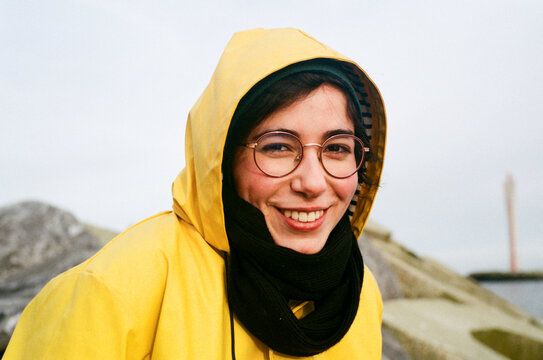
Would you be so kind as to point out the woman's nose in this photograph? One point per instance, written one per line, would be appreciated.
(310, 177)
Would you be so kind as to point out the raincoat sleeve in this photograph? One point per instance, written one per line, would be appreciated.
(76, 316)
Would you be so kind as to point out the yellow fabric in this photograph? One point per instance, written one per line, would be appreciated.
(158, 291)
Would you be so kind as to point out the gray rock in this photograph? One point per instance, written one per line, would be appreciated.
(392, 349)
(37, 242)
(385, 276)
(387, 280)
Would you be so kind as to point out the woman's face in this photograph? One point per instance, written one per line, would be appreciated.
(309, 189)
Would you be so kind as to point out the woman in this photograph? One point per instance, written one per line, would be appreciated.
(258, 260)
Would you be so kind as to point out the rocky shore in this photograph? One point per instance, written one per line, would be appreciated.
(430, 312)
(443, 315)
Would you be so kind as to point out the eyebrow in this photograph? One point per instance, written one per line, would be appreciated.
(325, 136)
(338, 132)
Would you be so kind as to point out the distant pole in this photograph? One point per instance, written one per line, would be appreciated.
(509, 198)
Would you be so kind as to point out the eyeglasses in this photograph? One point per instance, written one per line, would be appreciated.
(278, 153)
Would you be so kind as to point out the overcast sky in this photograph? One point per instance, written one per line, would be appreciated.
(94, 97)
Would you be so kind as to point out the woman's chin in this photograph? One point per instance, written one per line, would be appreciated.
(302, 245)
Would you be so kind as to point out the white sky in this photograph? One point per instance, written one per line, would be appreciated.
(94, 96)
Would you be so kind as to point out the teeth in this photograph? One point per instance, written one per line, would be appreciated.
(303, 216)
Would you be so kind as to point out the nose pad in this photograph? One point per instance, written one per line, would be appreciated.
(310, 177)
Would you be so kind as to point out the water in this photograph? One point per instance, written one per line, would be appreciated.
(526, 294)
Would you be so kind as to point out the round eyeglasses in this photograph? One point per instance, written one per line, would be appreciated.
(278, 153)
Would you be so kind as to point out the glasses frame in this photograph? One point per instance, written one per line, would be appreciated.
(253, 146)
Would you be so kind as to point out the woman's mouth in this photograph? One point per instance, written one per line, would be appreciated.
(303, 216)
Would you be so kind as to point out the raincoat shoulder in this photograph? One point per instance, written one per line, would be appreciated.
(137, 297)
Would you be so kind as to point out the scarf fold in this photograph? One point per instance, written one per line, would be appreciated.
(262, 277)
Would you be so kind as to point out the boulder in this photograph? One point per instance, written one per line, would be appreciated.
(37, 242)
(392, 349)
(443, 315)
(383, 272)
(435, 328)
(386, 278)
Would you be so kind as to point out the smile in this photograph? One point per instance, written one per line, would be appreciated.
(303, 216)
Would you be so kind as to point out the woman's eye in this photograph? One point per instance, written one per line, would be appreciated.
(337, 148)
(275, 147)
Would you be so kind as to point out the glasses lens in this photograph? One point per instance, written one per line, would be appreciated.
(342, 155)
(277, 154)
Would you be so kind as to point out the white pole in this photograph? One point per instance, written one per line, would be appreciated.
(509, 198)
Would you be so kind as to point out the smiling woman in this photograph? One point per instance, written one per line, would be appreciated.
(259, 257)
(306, 191)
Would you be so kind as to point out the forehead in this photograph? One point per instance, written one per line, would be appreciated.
(321, 112)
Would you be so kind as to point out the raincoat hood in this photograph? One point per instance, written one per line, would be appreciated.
(249, 57)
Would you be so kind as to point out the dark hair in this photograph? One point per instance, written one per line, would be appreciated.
(282, 93)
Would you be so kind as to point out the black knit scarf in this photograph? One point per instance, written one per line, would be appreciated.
(262, 277)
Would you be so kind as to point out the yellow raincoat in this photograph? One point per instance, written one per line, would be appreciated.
(157, 291)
